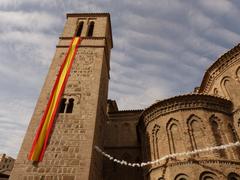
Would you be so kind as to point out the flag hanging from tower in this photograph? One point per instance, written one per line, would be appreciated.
(46, 123)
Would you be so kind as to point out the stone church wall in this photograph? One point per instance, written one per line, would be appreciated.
(187, 123)
(121, 141)
(223, 79)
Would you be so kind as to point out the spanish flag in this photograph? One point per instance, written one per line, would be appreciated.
(46, 123)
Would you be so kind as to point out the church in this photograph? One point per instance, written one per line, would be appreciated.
(73, 115)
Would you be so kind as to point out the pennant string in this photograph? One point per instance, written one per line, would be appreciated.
(143, 164)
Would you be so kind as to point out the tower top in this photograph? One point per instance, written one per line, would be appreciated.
(74, 15)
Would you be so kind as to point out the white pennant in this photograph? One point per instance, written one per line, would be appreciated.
(125, 163)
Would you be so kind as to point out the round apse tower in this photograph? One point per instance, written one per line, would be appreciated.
(187, 123)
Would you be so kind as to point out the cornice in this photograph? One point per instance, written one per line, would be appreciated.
(126, 111)
(130, 110)
(186, 102)
(218, 67)
(191, 162)
(87, 14)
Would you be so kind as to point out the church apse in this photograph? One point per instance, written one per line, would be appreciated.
(185, 123)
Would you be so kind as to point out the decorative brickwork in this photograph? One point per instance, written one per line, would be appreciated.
(208, 117)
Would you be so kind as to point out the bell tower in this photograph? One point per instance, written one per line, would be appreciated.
(79, 123)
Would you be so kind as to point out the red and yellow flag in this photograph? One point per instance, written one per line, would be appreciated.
(44, 129)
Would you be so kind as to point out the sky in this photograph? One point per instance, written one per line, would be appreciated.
(161, 49)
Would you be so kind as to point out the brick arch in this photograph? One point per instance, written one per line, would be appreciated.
(196, 132)
(79, 28)
(206, 175)
(155, 137)
(230, 88)
(175, 138)
(218, 135)
(224, 86)
(181, 176)
(90, 29)
(68, 103)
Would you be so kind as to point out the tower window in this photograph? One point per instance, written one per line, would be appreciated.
(90, 29)
(62, 105)
(70, 106)
(79, 29)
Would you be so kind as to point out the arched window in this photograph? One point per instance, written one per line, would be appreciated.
(218, 137)
(90, 29)
(155, 134)
(196, 132)
(230, 88)
(79, 29)
(207, 176)
(175, 139)
(181, 177)
(70, 106)
(233, 176)
(62, 105)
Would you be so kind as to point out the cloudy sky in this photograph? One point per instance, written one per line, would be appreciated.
(161, 49)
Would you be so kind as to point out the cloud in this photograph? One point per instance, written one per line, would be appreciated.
(220, 8)
(29, 21)
(14, 117)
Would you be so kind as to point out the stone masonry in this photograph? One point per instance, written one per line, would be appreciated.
(209, 116)
(70, 154)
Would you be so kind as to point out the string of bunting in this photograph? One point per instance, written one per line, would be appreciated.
(125, 163)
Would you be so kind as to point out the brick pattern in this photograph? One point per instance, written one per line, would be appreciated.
(181, 123)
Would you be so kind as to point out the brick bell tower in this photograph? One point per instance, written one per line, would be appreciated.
(79, 122)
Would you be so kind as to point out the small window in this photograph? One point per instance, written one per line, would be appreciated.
(79, 29)
(70, 106)
(62, 105)
(90, 29)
